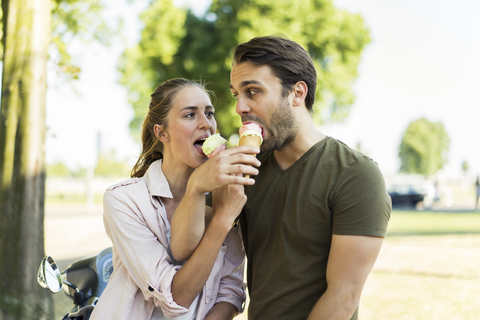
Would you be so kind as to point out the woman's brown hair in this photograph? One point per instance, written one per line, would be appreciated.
(160, 105)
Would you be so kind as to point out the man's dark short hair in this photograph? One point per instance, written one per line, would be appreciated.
(287, 59)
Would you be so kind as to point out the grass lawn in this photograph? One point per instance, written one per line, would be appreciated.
(423, 223)
(429, 268)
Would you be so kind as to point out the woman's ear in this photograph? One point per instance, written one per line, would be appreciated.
(300, 90)
(161, 136)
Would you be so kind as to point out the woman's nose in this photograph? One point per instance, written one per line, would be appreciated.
(204, 123)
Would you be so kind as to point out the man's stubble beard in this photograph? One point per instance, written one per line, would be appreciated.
(282, 129)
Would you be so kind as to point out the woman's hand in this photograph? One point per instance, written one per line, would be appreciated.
(224, 170)
(228, 202)
(227, 167)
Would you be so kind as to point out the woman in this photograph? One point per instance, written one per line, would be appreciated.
(147, 283)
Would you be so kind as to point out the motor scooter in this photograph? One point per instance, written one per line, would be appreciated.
(83, 281)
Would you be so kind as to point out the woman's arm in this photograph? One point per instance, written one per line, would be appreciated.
(140, 245)
(129, 217)
(190, 279)
(188, 221)
(231, 288)
(222, 311)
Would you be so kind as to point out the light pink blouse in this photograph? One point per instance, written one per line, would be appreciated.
(136, 222)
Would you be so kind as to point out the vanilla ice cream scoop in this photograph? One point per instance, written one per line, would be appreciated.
(213, 145)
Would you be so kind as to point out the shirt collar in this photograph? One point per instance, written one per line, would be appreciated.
(156, 181)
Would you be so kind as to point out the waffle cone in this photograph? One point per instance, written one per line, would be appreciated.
(250, 140)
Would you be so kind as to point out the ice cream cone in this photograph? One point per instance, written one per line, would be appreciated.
(250, 140)
(250, 135)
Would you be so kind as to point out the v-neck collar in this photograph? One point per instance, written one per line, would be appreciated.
(299, 162)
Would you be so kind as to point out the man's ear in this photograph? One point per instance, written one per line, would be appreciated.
(161, 136)
(300, 90)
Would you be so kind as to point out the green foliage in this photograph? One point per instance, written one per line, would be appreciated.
(1, 31)
(424, 147)
(59, 170)
(80, 20)
(74, 19)
(109, 167)
(144, 66)
(176, 43)
(465, 166)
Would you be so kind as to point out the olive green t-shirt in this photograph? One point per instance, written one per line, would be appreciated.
(290, 216)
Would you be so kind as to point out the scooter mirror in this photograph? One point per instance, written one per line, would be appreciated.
(49, 275)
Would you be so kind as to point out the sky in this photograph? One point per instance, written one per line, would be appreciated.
(422, 62)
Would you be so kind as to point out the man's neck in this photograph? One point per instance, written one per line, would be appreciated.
(305, 139)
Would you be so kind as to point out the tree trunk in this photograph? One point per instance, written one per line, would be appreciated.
(27, 29)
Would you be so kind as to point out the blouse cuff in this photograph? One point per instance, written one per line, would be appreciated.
(163, 296)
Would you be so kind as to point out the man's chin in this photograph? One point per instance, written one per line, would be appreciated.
(268, 146)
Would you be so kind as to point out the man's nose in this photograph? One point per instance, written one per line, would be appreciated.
(242, 107)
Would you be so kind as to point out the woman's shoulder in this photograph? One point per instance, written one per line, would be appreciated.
(131, 188)
(126, 184)
(130, 197)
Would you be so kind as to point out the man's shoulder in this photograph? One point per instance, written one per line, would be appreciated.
(341, 147)
(344, 154)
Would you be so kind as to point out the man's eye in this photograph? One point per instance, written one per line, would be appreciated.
(235, 95)
(252, 92)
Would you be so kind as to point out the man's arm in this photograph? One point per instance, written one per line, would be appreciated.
(350, 262)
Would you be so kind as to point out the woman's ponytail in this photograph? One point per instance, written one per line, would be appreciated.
(152, 149)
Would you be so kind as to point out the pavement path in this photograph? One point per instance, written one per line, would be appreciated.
(74, 231)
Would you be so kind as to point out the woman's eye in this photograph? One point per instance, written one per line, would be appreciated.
(210, 114)
(190, 115)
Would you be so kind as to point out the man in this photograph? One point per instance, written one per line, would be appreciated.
(316, 216)
(315, 219)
